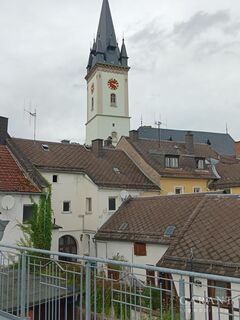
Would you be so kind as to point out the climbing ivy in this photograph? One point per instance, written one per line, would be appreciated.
(37, 233)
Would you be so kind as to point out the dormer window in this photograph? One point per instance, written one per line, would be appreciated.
(172, 162)
(200, 163)
(113, 99)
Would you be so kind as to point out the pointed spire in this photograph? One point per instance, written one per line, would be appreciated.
(123, 55)
(105, 48)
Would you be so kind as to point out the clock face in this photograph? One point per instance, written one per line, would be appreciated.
(92, 88)
(113, 84)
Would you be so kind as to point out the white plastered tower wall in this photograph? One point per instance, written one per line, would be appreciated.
(105, 118)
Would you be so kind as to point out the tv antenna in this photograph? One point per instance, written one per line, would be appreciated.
(34, 116)
(158, 124)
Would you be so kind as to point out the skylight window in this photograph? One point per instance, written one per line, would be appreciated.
(116, 170)
(169, 231)
(123, 226)
(45, 147)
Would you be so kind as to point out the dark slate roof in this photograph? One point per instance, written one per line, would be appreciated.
(105, 47)
(12, 176)
(210, 240)
(147, 218)
(76, 158)
(228, 168)
(154, 155)
(223, 143)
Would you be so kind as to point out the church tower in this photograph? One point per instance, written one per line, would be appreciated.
(107, 84)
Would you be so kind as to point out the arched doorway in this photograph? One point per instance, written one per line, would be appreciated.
(67, 244)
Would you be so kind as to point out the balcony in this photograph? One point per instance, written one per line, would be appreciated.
(37, 284)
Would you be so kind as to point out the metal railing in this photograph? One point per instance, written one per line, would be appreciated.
(37, 284)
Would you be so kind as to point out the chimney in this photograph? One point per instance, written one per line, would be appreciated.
(65, 141)
(189, 142)
(108, 142)
(97, 147)
(3, 130)
(133, 135)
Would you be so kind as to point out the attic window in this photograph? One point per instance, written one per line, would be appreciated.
(200, 163)
(116, 170)
(123, 226)
(45, 147)
(172, 162)
(169, 231)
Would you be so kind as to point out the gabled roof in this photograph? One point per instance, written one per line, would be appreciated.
(210, 240)
(154, 154)
(105, 47)
(228, 169)
(76, 158)
(12, 176)
(147, 218)
(222, 143)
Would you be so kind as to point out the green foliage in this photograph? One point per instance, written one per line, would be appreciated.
(37, 233)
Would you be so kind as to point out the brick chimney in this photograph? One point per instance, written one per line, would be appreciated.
(189, 142)
(3, 130)
(108, 142)
(133, 134)
(97, 147)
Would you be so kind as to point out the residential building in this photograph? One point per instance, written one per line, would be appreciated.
(177, 167)
(17, 191)
(88, 185)
(107, 84)
(196, 233)
(222, 143)
(228, 169)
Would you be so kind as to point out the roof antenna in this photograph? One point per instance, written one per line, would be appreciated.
(226, 128)
(159, 123)
(141, 120)
(34, 116)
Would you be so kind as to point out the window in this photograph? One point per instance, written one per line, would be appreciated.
(200, 164)
(88, 205)
(27, 212)
(197, 189)
(67, 244)
(219, 292)
(140, 249)
(111, 204)
(55, 178)
(66, 206)
(171, 162)
(113, 99)
(178, 190)
(92, 105)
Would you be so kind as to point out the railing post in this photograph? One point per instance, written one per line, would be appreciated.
(23, 285)
(88, 291)
(182, 299)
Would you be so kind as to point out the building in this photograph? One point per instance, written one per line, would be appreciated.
(88, 185)
(107, 84)
(237, 148)
(17, 191)
(177, 167)
(228, 169)
(196, 233)
(222, 143)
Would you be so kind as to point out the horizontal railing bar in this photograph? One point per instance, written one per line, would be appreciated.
(52, 285)
(131, 294)
(126, 264)
(131, 304)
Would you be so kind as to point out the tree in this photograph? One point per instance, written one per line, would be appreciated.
(37, 233)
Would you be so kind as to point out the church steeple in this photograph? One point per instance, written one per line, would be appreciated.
(105, 49)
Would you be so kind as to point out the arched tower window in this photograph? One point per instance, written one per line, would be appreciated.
(113, 98)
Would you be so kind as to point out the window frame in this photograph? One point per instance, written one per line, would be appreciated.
(196, 187)
(27, 206)
(214, 285)
(140, 249)
(179, 187)
(200, 160)
(54, 176)
(89, 206)
(113, 99)
(65, 211)
(109, 199)
(169, 161)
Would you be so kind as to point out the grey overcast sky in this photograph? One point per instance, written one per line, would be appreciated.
(184, 58)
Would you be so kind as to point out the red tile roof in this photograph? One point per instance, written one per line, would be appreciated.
(76, 158)
(12, 177)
